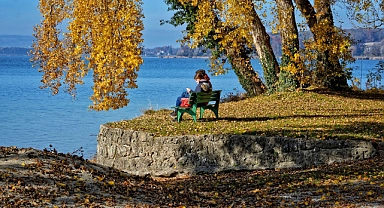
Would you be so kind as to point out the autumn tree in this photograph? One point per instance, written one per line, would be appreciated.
(329, 45)
(223, 28)
(103, 37)
(230, 24)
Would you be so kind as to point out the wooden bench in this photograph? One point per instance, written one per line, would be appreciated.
(200, 100)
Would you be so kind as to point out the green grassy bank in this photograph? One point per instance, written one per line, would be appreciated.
(325, 115)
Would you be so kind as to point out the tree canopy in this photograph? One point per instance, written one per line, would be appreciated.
(320, 62)
(103, 36)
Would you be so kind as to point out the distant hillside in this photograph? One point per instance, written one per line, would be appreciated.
(19, 41)
(369, 43)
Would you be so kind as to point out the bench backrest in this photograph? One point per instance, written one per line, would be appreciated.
(202, 98)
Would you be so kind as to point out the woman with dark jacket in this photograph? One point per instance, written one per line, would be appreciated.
(203, 85)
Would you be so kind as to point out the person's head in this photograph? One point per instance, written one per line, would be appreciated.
(199, 76)
(202, 71)
(205, 76)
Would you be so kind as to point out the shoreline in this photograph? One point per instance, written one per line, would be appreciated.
(372, 58)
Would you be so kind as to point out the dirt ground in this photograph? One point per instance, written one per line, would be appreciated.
(45, 178)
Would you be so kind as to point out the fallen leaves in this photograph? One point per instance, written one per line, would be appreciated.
(81, 183)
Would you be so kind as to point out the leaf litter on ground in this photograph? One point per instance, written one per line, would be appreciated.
(50, 179)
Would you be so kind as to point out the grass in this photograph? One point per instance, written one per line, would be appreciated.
(322, 115)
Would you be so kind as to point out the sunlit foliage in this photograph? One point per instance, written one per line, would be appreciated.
(331, 50)
(210, 24)
(326, 53)
(103, 36)
(320, 62)
(232, 30)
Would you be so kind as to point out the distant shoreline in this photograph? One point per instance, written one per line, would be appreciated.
(25, 50)
(369, 57)
(207, 57)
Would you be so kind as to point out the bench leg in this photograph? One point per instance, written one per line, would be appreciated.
(201, 112)
(181, 112)
(194, 117)
(179, 115)
(214, 109)
(193, 114)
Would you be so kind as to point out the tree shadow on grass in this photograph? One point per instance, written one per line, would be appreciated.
(372, 131)
(360, 130)
(351, 130)
(357, 113)
(354, 94)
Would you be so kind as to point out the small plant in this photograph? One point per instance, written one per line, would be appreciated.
(233, 96)
(150, 110)
(79, 152)
(374, 77)
(51, 149)
(356, 83)
(153, 111)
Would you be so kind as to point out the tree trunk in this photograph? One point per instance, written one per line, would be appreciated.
(248, 78)
(290, 45)
(264, 50)
(329, 72)
(287, 27)
(339, 81)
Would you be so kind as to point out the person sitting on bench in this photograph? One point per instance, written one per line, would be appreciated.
(203, 85)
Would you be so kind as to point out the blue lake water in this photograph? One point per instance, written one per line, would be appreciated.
(31, 117)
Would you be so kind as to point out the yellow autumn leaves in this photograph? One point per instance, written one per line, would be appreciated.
(229, 19)
(228, 22)
(103, 36)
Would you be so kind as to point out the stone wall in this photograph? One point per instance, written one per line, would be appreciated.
(141, 153)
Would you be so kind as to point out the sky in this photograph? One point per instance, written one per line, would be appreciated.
(17, 17)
